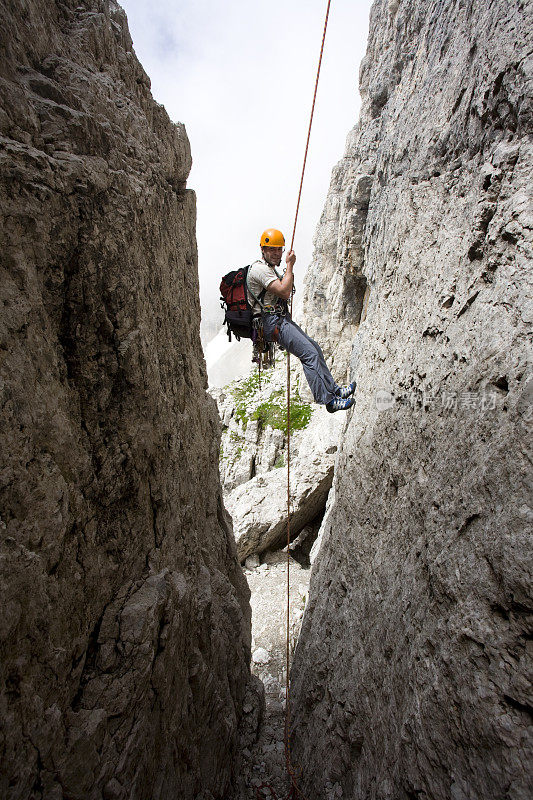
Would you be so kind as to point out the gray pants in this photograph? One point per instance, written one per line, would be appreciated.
(293, 339)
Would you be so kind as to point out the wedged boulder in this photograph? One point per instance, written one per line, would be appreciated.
(259, 506)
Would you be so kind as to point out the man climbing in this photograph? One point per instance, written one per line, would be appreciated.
(268, 293)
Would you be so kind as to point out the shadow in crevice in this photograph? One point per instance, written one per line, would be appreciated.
(354, 297)
(301, 546)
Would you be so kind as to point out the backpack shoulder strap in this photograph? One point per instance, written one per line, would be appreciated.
(258, 300)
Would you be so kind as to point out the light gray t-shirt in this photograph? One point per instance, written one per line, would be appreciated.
(260, 276)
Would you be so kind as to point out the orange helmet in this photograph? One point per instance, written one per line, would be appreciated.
(272, 238)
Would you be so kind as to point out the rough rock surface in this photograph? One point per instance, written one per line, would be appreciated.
(124, 633)
(259, 507)
(262, 757)
(253, 462)
(412, 672)
(253, 417)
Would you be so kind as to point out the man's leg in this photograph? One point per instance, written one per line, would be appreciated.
(315, 368)
(340, 391)
(320, 354)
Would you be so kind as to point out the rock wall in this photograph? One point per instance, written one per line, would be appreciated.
(412, 672)
(124, 633)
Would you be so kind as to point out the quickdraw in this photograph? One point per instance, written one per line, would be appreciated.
(264, 354)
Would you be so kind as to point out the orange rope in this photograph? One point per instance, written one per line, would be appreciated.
(310, 123)
(294, 792)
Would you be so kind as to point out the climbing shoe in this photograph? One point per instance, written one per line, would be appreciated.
(340, 404)
(346, 391)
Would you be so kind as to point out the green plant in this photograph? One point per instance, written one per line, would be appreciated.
(236, 445)
(242, 392)
(273, 412)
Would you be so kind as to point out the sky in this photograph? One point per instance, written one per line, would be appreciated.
(240, 75)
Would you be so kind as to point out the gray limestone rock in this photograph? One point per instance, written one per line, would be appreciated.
(412, 673)
(264, 756)
(124, 633)
(258, 507)
(253, 463)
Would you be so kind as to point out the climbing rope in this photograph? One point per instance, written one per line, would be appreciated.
(310, 124)
(294, 792)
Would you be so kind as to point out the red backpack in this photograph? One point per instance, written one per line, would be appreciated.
(238, 314)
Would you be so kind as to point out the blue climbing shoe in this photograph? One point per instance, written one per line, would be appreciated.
(346, 391)
(340, 404)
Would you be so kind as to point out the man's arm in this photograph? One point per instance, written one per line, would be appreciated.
(283, 288)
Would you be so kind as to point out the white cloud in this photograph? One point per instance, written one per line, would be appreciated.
(240, 75)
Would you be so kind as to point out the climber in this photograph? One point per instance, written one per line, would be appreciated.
(278, 325)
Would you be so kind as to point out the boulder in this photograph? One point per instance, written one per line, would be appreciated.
(259, 506)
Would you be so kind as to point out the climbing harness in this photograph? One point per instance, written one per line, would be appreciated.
(263, 352)
(281, 309)
(294, 791)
